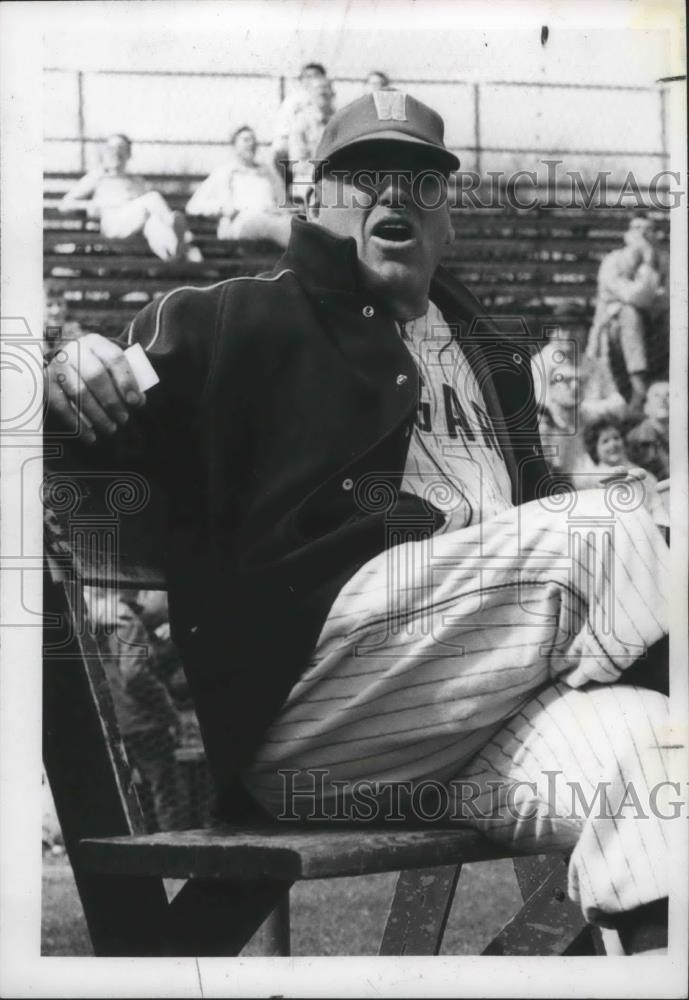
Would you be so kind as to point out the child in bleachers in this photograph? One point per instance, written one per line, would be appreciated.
(125, 205)
(146, 714)
(243, 195)
(57, 325)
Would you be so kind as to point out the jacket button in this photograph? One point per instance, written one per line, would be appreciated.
(368, 311)
(401, 379)
(517, 358)
(193, 630)
(347, 484)
(407, 431)
(536, 449)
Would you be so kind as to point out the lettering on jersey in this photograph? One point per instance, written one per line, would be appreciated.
(455, 417)
(486, 427)
(457, 422)
(423, 417)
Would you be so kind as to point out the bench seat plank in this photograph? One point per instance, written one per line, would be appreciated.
(279, 853)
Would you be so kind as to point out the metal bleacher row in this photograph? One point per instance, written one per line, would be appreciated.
(519, 263)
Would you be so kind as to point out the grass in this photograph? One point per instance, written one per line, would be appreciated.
(329, 917)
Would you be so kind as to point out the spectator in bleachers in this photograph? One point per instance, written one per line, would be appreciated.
(307, 128)
(645, 448)
(243, 195)
(657, 409)
(295, 102)
(604, 439)
(376, 80)
(126, 205)
(656, 423)
(572, 321)
(558, 385)
(145, 712)
(629, 287)
(57, 325)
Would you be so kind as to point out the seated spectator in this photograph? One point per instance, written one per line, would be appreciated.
(307, 128)
(649, 439)
(125, 205)
(145, 712)
(293, 105)
(57, 325)
(164, 659)
(657, 410)
(243, 195)
(604, 440)
(628, 287)
(645, 448)
(558, 386)
(376, 80)
(571, 330)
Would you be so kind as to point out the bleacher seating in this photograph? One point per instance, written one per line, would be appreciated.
(518, 262)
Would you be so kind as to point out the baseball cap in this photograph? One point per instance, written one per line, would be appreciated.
(386, 115)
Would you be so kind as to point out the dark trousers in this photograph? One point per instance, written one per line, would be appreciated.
(152, 753)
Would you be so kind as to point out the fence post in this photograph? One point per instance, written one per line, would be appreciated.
(282, 89)
(663, 123)
(80, 117)
(477, 126)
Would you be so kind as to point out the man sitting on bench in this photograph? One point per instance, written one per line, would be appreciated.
(377, 614)
(126, 205)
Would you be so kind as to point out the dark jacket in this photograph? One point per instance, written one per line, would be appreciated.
(279, 433)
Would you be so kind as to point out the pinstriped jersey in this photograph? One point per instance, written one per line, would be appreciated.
(454, 459)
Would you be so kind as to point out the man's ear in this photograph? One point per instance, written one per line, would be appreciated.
(312, 204)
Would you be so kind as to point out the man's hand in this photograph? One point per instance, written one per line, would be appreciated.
(90, 387)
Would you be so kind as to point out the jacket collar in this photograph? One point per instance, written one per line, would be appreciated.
(321, 259)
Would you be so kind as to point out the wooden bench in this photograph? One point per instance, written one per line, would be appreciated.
(103, 529)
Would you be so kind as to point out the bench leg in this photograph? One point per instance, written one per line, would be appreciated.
(419, 910)
(549, 923)
(276, 930)
(210, 917)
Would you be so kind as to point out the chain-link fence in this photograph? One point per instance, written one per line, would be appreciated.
(180, 122)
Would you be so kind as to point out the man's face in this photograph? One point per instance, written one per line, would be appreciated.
(310, 78)
(642, 446)
(390, 199)
(55, 311)
(115, 153)
(640, 229)
(375, 81)
(564, 386)
(657, 405)
(245, 145)
(322, 92)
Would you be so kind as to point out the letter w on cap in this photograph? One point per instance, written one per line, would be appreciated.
(391, 105)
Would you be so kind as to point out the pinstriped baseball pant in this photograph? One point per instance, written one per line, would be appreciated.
(484, 661)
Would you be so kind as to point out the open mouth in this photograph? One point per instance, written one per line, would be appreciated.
(393, 230)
